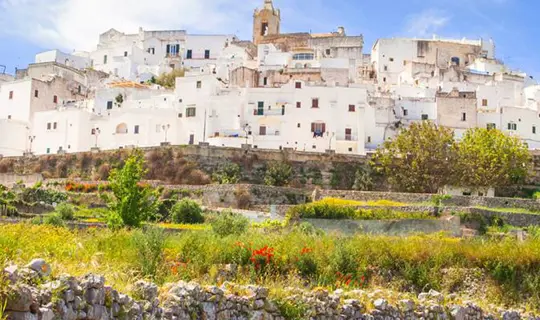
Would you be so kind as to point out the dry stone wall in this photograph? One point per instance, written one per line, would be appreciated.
(89, 298)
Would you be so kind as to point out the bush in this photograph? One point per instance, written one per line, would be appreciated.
(278, 174)
(187, 211)
(54, 220)
(66, 211)
(150, 243)
(227, 174)
(228, 223)
(243, 198)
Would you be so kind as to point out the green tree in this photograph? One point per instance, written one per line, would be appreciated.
(168, 80)
(132, 202)
(490, 158)
(419, 159)
(278, 174)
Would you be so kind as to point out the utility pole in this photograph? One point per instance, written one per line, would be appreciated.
(204, 129)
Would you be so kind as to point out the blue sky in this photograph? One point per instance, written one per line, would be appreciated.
(31, 26)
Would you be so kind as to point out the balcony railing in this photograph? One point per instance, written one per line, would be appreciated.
(271, 112)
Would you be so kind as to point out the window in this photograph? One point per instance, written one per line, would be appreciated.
(36, 94)
(48, 126)
(328, 52)
(93, 132)
(391, 59)
(54, 126)
(463, 116)
(136, 129)
(199, 84)
(534, 129)
(179, 115)
(348, 134)
(303, 56)
(190, 112)
(318, 129)
(425, 117)
(10, 95)
(315, 103)
(109, 105)
(125, 53)
(265, 81)
(9, 117)
(298, 125)
(368, 139)
(105, 59)
(385, 68)
(152, 50)
(262, 130)
(384, 79)
(491, 126)
(298, 85)
(79, 89)
(48, 150)
(173, 50)
(55, 99)
(207, 54)
(189, 54)
(512, 126)
(299, 104)
(352, 108)
(405, 112)
(484, 102)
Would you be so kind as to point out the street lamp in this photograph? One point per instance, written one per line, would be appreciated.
(247, 128)
(97, 131)
(166, 128)
(31, 139)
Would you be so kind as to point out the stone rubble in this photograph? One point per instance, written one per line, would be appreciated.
(89, 298)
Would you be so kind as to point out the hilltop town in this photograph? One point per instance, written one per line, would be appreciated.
(297, 91)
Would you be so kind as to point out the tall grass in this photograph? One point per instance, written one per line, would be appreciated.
(411, 263)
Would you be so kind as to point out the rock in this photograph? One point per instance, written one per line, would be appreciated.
(20, 298)
(46, 314)
(18, 315)
(40, 266)
(435, 295)
(458, 313)
(406, 305)
(12, 273)
(380, 304)
(93, 281)
(146, 291)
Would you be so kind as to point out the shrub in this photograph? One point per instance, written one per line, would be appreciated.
(66, 211)
(228, 223)
(150, 243)
(187, 211)
(36, 194)
(243, 198)
(227, 174)
(133, 202)
(54, 220)
(278, 174)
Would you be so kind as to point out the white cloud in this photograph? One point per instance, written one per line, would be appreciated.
(76, 24)
(427, 22)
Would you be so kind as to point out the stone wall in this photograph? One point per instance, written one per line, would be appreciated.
(89, 298)
(9, 179)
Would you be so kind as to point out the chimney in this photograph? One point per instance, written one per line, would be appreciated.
(341, 31)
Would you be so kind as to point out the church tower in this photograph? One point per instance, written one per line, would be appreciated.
(265, 22)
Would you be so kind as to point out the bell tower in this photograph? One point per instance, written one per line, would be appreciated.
(266, 21)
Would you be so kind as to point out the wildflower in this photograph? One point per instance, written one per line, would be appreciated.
(306, 250)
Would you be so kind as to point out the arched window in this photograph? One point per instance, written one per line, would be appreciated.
(122, 129)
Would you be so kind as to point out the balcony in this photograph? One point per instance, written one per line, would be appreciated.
(271, 112)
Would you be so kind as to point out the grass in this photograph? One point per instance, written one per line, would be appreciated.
(509, 210)
(410, 264)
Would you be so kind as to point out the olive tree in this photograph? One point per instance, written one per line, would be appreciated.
(418, 159)
(491, 158)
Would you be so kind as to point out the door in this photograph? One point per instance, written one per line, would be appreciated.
(262, 131)
(191, 139)
(348, 134)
